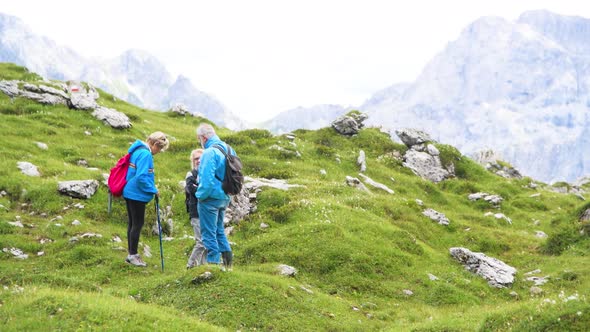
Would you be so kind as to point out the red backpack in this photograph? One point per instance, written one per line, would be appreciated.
(118, 176)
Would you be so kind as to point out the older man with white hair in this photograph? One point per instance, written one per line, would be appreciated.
(212, 199)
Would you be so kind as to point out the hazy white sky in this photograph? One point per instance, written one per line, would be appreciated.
(260, 58)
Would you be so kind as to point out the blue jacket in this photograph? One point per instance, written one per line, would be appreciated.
(212, 165)
(140, 179)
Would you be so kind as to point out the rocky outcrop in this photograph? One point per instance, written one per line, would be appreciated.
(375, 184)
(74, 95)
(423, 158)
(180, 109)
(497, 273)
(78, 189)
(349, 124)
(492, 161)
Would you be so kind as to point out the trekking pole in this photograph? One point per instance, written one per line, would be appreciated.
(159, 231)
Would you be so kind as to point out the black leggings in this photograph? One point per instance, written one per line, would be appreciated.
(136, 214)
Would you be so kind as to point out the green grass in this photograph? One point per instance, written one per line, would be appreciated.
(356, 252)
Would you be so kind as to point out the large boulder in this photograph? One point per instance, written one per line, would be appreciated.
(349, 124)
(82, 98)
(78, 189)
(426, 166)
(411, 137)
(497, 273)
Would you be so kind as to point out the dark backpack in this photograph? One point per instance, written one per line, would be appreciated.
(118, 175)
(233, 181)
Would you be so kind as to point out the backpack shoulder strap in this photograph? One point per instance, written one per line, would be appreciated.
(220, 148)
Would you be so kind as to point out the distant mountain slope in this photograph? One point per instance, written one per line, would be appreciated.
(134, 76)
(314, 117)
(521, 88)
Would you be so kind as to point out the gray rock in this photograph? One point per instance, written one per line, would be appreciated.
(494, 199)
(264, 225)
(408, 292)
(540, 234)
(44, 98)
(411, 137)
(354, 182)
(536, 291)
(82, 99)
(349, 124)
(378, 185)
(27, 168)
(286, 270)
(436, 216)
(16, 253)
(497, 273)
(180, 108)
(539, 281)
(432, 150)
(585, 216)
(9, 88)
(112, 117)
(426, 166)
(78, 189)
(361, 161)
(42, 146)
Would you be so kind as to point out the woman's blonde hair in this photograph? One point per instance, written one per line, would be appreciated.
(159, 139)
(193, 154)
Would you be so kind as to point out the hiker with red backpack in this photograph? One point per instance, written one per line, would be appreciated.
(213, 199)
(140, 188)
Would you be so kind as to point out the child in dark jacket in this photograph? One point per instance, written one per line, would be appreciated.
(199, 253)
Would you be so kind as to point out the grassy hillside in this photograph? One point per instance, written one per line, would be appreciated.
(356, 252)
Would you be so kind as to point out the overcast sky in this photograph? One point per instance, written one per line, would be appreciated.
(260, 58)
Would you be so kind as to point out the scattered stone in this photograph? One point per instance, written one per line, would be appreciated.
(361, 161)
(27, 168)
(17, 253)
(82, 162)
(41, 253)
(535, 195)
(408, 292)
(308, 291)
(78, 189)
(539, 281)
(90, 235)
(536, 291)
(378, 185)
(354, 182)
(263, 225)
(254, 183)
(514, 294)
(497, 273)
(432, 277)
(323, 172)
(87, 133)
(533, 272)
(540, 234)
(436, 216)
(205, 277)
(494, 199)
(45, 240)
(286, 270)
(16, 223)
(76, 222)
(502, 216)
(419, 202)
(42, 146)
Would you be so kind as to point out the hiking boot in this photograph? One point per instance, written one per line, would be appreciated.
(227, 257)
(135, 260)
